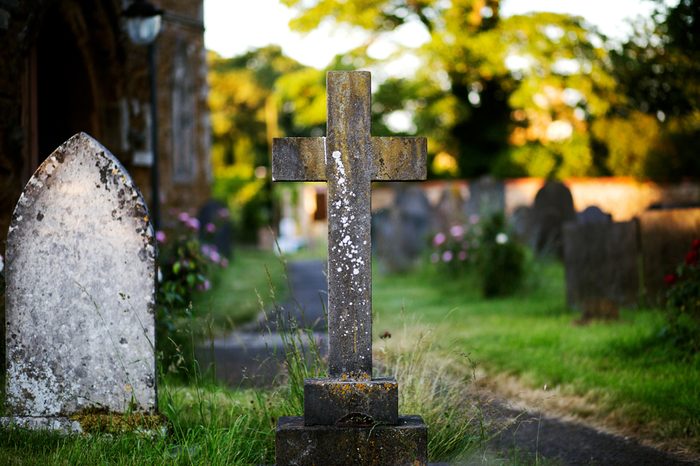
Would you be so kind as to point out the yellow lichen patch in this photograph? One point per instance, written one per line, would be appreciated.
(101, 421)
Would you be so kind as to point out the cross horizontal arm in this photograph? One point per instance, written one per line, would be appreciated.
(399, 159)
(298, 159)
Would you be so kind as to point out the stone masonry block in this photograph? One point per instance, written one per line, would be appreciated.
(338, 402)
(403, 444)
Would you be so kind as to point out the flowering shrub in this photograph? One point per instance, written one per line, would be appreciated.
(184, 267)
(455, 249)
(485, 247)
(500, 260)
(683, 299)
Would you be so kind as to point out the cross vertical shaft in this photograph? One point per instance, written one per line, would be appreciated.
(349, 175)
(349, 159)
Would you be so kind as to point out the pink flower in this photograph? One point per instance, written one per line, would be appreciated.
(462, 255)
(447, 256)
(473, 219)
(210, 227)
(222, 213)
(204, 286)
(160, 236)
(192, 223)
(183, 217)
(457, 231)
(439, 239)
(224, 262)
(215, 256)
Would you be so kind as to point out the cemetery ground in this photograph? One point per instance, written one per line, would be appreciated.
(430, 329)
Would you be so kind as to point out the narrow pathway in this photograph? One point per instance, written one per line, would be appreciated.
(253, 356)
(532, 436)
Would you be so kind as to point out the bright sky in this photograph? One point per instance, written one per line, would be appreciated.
(234, 26)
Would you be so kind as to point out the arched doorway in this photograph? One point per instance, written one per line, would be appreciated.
(65, 101)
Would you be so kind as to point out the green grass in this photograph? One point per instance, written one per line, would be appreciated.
(239, 291)
(624, 368)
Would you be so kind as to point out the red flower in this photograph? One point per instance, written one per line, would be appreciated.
(670, 279)
(695, 245)
(691, 258)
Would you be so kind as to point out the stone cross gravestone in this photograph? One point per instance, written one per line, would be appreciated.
(350, 418)
(80, 292)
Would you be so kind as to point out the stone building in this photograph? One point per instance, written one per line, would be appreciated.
(68, 66)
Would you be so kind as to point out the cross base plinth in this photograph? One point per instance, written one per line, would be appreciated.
(341, 402)
(401, 444)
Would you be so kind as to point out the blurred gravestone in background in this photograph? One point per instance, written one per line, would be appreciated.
(487, 196)
(449, 209)
(215, 227)
(600, 259)
(593, 214)
(553, 207)
(665, 237)
(519, 223)
(400, 232)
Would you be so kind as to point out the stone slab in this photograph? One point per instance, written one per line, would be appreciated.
(600, 261)
(80, 297)
(57, 424)
(403, 444)
(329, 402)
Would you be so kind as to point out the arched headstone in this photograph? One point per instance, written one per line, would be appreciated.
(80, 298)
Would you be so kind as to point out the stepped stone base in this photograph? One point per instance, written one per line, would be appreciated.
(381, 445)
(338, 402)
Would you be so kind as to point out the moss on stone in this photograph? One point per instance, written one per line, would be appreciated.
(101, 421)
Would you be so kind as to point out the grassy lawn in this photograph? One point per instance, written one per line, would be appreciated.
(627, 374)
(253, 281)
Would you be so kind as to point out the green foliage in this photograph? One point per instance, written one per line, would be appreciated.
(184, 266)
(484, 248)
(244, 119)
(540, 94)
(683, 301)
(500, 260)
(657, 71)
(455, 251)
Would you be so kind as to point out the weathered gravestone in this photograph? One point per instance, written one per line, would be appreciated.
(593, 214)
(80, 293)
(600, 260)
(449, 210)
(350, 418)
(665, 237)
(399, 233)
(553, 207)
(487, 196)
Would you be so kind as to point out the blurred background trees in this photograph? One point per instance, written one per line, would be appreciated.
(541, 94)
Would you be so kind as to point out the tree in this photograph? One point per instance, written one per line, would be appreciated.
(244, 118)
(657, 71)
(511, 96)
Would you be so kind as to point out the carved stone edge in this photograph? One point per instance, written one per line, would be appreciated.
(57, 424)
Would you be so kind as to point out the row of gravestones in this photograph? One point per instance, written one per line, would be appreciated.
(400, 232)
